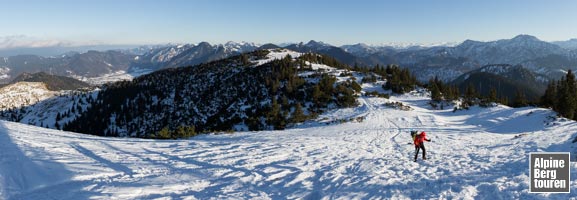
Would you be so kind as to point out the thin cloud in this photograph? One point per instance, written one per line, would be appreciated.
(23, 41)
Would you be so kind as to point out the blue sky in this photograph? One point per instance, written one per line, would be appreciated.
(336, 22)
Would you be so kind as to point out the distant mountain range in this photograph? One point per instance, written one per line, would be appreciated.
(547, 59)
(52, 51)
(89, 64)
(190, 54)
(569, 44)
(450, 62)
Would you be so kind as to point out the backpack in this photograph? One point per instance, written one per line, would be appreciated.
(414, 135)
(418, 139)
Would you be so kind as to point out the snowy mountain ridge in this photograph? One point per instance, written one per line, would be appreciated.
(507, 51)
(447, 60)
(232, 46)
(190, 54)
(569, 44)
(539, 56)
(362, 49)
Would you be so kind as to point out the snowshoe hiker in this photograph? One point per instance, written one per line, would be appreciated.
(420, 144)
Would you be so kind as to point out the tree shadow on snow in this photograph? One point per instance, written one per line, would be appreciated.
(511, 176)
(27, 174)
(511, 120)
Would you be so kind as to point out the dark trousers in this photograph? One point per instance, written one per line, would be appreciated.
(422, 146)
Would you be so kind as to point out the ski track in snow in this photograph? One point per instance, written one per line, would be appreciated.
(473, 154)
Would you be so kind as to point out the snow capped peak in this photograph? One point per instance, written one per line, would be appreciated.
(413, 45)
(311, 45)
(164, 54)
(232, 43)
(241, 43)
(360, 49)
(362, 45)
(243, 46)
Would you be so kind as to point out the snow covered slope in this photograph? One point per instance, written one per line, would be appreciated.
(276, 54)
(479, 153)
(23, 94)
(32, 103)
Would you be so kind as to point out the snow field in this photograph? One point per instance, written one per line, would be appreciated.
(120, 75)
(477, 153)
(277, 54)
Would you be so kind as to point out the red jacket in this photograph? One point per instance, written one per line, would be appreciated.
(421, 138)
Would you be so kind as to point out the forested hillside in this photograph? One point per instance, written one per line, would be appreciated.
(252, 91)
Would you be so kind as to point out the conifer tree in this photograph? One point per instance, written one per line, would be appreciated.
(298, 115)
(492, 95)
(470, 92)
(572, 98)
(435, 91)
(567, 104)
(561, 96)
(520, 99)
(356, 86)
(244, 59)
(549, 99)
(470, 95)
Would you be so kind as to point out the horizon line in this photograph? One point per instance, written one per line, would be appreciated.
(67, 44)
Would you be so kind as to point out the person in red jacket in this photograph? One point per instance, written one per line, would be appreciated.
(420, 144)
